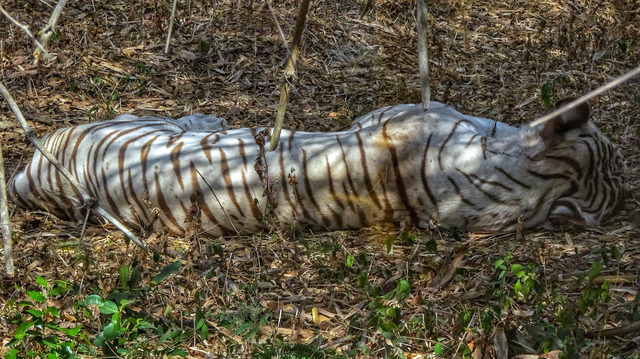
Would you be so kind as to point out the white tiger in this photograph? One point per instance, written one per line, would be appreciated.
(394, 164)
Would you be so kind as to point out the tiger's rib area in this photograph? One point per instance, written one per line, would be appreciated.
(395, 164)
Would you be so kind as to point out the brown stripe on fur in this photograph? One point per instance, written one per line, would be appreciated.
(349, 179)
(224, 169)
(365, 170)
(242, 153)
(332, 190)
(174, 157)
(142, 208)
(112, 204)
(309, 191)
(163, 206)
(118, 134)
(207, 147)
(90, 178)
(144, 155)
(96, 154)
(121, 159)
(64, 159)
(67, 203)
(204, 206)
(402, 191)
(285, 182)
(257, 215)
(173, 139)
(290, 141)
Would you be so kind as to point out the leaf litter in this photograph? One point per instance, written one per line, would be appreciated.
(489, 59)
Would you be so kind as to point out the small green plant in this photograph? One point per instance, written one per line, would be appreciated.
(546, 93)
(36, 328)
(119, 330)
(246, 322)
(386, 312)
(55, 36)
(279, 348)
(591, 292)
(143, 68)
(525, 280)
(125, 334)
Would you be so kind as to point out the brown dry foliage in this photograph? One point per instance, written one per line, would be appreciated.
(488, 59)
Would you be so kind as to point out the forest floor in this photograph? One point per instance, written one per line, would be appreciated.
(373, 292)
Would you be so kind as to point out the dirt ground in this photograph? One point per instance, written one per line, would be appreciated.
(494, 59)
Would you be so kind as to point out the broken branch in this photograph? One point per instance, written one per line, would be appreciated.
(24, 28)
(47, 31)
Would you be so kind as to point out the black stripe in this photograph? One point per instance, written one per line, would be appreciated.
(402, 191)
(226, 176)
(423, 175)
(365, 170)
(444, 143)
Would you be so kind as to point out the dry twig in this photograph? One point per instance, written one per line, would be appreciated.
(24, 28)
(4, 219)
(423, 54)
(289, 72)
(88, 200)
(618, 331)
(48, 30)
(584, 98)
(173, 15)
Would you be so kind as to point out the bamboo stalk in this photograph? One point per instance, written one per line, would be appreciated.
(5, 224)
(423, 55)
(289, 72)
(173, 16)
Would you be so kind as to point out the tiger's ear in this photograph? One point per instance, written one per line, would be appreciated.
(576, 117)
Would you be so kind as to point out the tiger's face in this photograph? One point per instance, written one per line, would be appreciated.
(593, 167)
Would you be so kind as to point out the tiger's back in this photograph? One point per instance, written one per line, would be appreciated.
(394, 164)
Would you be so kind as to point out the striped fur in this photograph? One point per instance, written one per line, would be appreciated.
(394, 164)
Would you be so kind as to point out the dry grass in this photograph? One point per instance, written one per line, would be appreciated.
(488, 58)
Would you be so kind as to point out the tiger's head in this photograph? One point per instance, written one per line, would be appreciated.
(586, 171)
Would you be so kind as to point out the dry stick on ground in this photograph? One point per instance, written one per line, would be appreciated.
(606, 87)
(4, 219)
(619, 331)
(173, 15)
(88, 200)
(47, 32)
(423, 56)
(24, 28)
(289, 71)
